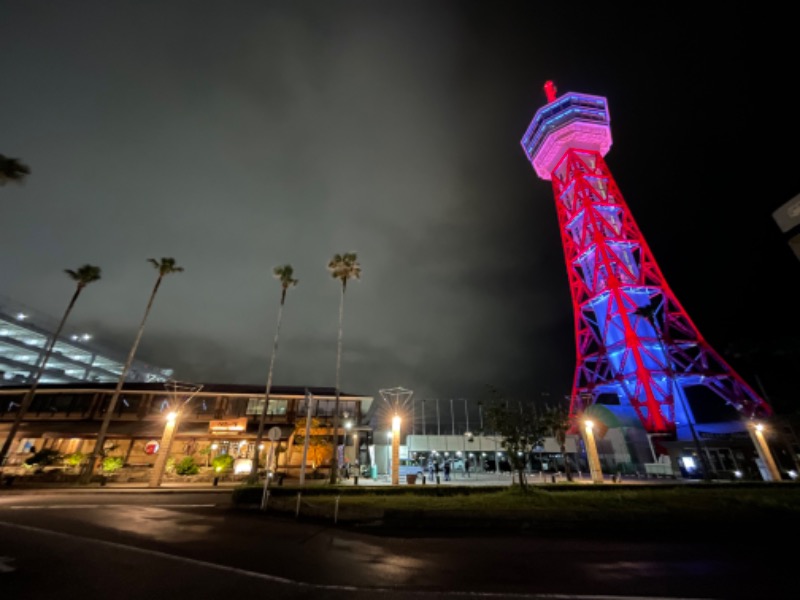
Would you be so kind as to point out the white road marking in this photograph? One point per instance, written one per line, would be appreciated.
(82, 506)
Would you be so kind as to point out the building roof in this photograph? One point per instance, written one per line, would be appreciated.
(207, 388)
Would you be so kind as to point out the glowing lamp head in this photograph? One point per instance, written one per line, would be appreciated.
(759, 427)
(588, 424)
(396, 423)
(171, 417)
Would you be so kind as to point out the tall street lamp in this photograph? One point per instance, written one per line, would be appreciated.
(591, 452)
(757, 432)
(395, 449)
(348, 425)
(171, 427)
(389, 455)
(163, 449)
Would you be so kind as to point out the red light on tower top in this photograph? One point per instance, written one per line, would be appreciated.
(550, 91)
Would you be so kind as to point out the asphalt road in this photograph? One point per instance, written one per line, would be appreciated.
(140, 545)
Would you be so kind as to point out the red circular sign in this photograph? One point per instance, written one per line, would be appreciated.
(151, 447)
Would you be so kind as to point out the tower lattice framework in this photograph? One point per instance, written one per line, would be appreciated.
(633, 338)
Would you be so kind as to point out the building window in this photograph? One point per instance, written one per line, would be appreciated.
(275, 407)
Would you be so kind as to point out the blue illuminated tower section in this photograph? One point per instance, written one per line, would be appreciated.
(635, 344)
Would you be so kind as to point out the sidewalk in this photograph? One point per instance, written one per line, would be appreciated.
(19, 485)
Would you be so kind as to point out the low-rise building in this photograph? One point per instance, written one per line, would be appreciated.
(213, 419)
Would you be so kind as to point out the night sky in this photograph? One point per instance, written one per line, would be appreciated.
(239, 136)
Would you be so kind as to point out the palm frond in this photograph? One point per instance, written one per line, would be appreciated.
(285, 275)
(166, 266)
(11, 169)
(84, 275)
(345, 267)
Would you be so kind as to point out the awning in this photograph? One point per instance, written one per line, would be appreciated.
(118, 429)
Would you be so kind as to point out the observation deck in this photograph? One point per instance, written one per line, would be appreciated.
(577, 121)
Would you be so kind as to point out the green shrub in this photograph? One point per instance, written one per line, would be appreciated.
(74, 460)
(169, 467)
(112, 464)
(187, 466)
(222, 463)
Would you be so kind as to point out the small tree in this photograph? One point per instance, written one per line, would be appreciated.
(112, 464)
(222, 463)
(187, 466)
(74, 460)
(520, 432)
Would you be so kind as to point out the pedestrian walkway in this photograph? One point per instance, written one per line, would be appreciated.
(479, 479)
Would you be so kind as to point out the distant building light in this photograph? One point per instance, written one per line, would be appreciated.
(21, 316)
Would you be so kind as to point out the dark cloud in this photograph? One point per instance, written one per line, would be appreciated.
(236, 138)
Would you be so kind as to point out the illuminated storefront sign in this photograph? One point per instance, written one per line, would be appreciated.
(228, 426)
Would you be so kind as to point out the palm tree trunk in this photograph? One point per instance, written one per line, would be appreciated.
(335, 461)
(91, 463)
(263, 416)
(28, 398)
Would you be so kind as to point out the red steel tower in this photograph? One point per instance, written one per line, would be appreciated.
(636, 346)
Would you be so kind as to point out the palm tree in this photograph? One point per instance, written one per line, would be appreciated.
(82, 277)
(165, 267)
(284, 275)
(342, 267)
(11, 169)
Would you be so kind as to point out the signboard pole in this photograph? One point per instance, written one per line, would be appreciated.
(274, 434)
(309, 412)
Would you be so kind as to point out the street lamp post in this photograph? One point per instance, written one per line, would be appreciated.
(395, 449)
(171, 427)
(591, 452)
(163, 449)
(397, 399)
(389, 455)
(348, 425)
(757, 432)
(307, 435)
